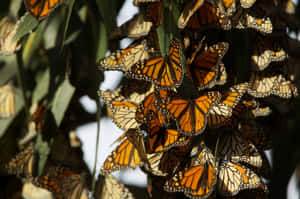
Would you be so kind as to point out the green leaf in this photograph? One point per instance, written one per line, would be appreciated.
(43, 150)
(61, 100)
(72, 37)
(163, 40)
(42, 86)
(4, 123)
(14, 7)
(71, 4)
(28, 23)
(102, 45)
(33, 42)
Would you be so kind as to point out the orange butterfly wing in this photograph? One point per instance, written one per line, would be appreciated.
(199, 179)
(164, 72)
(206, 15)
(191, 116)
(41, 8)
(124, 156)
(203, 68)
(164, 140)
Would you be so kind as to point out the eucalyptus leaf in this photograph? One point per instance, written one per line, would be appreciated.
(162, 40)
(43, 150)
(61, 100)
(19, 104)
(72, 37)
(71, 4)
(14, 7)
(42, 86)
(27, 24)
(102, 44)
(33, 42)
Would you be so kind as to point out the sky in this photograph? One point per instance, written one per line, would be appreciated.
(110, 132)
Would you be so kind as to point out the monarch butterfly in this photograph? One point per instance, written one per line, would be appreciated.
(123, 111)
(257, 136)
(138, 2)
(276, 85)
(238, 149)
(24, 163)
(163, 72)
(134, 91)
(7, 100)
(266, 52)
(284, 88)
(227, 7)
(126, 154)
(191, 115)
(63, 183)
(165, 139)
(124, 114)
(261, 111)
(154, 13)
(203, 67)
(206, 15)
(147, 112)
(247, 3)
(135, 27)
(260, 85)
(263, 25)
(8, 30)
(263, 60)
(222, 111)
(222, 78)
(111, 188)
(122, 60)
(188, 11)
(233, 177)
(197, 180)
(41, 8)
(155, 160)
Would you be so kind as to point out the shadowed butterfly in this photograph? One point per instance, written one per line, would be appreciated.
(256, 135)
(41, 8)
(63, 183)
(263, 25)
(165, 72)
(190, 8)
(265, 52)
(236, 148)
(164, 139)
(203, 67)
(138, 2)
(8, 30)
(284, 88)
(7, 100)
(261, 86)
(135, 27)
(24, 163)
(247, 3)
(203, 16)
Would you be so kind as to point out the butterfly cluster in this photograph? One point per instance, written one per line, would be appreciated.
(188, 123)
